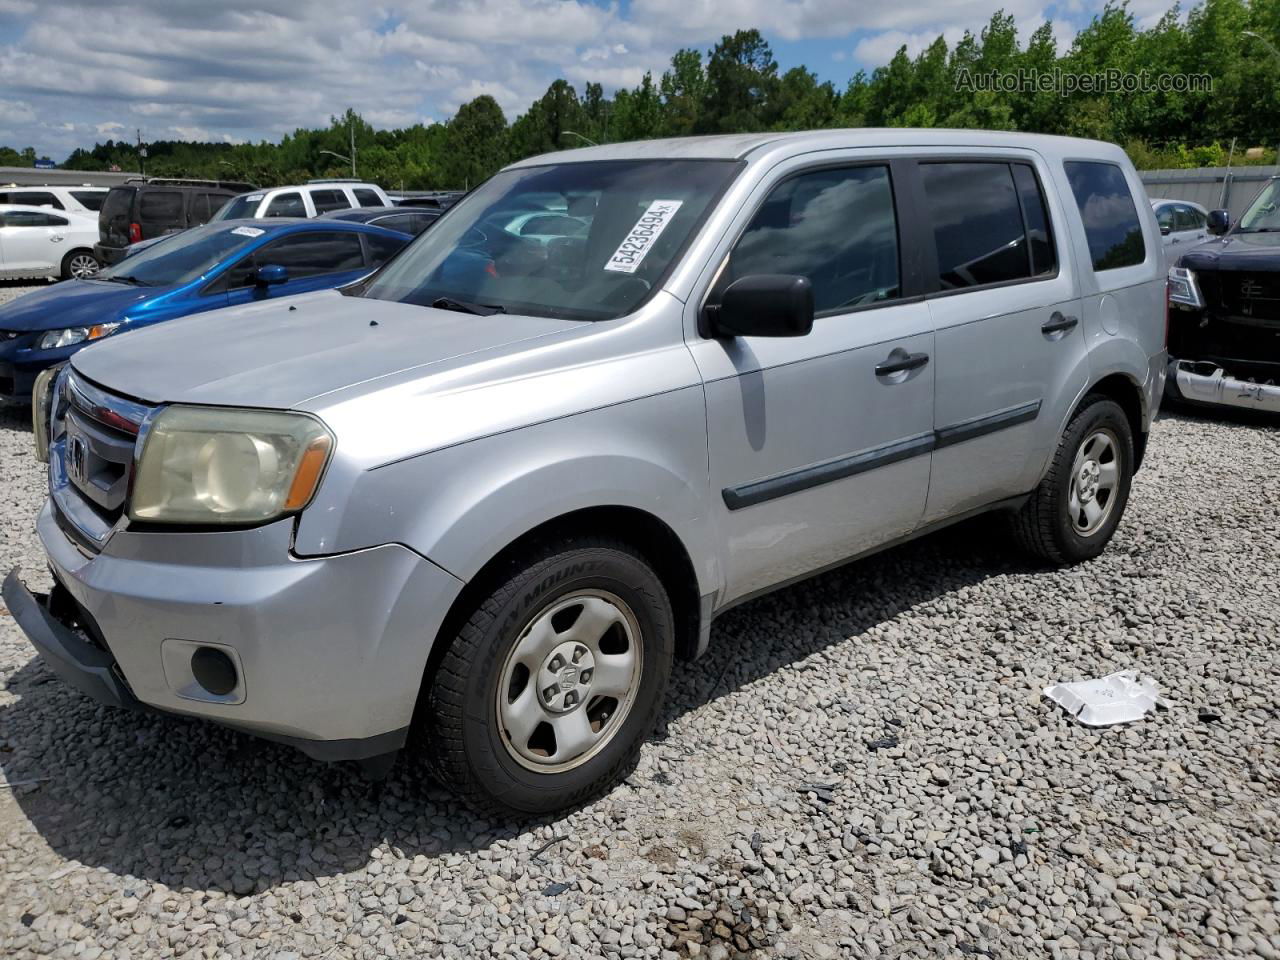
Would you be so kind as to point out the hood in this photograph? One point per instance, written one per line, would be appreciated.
(72, 303)
(284, 352)
(1257, 252)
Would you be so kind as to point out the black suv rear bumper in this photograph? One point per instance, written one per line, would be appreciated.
(108, 255)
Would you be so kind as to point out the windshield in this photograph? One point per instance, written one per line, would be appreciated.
(238, 208)
(1263, 214)
(181, 257)
(581, 241)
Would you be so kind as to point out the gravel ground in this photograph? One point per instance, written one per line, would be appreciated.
(863, 766)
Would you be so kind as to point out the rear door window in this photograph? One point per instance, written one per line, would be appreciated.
(1111, 223)
(837, 227)
(90, 199)
(161, 206)
(286, 205)
(326, 200)
(367, 198)
(978, 230)
(36, 198)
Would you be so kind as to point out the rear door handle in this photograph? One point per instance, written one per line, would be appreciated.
(1057, 323)
(901, 364)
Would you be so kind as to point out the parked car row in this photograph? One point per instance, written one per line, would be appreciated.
(83, 199)
(498, 490)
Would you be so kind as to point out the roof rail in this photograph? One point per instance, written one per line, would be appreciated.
(337, 180)
(238, 185)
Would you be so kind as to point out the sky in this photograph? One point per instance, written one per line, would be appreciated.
(74, 72)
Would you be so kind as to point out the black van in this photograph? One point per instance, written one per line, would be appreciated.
(141, 209)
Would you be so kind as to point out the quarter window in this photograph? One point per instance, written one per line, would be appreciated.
(1110, 218)
(90, 199)
(836, 227)
(978, 231)
(367, 198)
(326, 200)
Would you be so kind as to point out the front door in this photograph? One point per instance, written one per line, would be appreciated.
(1011, 356)
(30, 243)
(819, 445)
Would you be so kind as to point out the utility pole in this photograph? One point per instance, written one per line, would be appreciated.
(142, 155)
(351, 128)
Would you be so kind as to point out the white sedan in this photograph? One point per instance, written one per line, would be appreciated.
(41, 242)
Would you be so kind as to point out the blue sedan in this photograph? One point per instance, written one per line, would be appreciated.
(221, 264)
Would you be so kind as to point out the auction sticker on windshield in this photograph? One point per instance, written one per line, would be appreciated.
(641, 238)
(247, 232)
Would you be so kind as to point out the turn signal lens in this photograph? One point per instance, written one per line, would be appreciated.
(307, 478)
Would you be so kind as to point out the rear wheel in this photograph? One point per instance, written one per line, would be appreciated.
(547, 692)
(79, 265)
(1075, 510)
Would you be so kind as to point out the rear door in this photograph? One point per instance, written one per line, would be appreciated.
(1011, 355)
(161, 211)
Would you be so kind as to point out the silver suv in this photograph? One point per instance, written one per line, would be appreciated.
(493, 492)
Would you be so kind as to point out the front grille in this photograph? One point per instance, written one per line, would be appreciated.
(1253, 298)
(91, 456)
(1239, 329)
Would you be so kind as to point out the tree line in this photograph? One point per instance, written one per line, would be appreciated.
(737, 87)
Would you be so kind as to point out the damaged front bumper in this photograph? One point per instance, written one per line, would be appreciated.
(1201, 382)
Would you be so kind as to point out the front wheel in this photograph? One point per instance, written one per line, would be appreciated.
(79, 265)
(550, 687)
(1073, 513)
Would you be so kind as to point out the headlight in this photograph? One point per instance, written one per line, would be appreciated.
(41, 402)
(73, 335)
(219, 465)
(1183, 288)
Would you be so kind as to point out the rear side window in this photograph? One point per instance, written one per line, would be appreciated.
(160, 205)
(367, 198)
(1188, 218)
(313, 253)
(977, 224)
(36, 198)
(286, 205)
(836, 227)
(90, 200)
(382, 249)
(1111, 223)
(29, 218)
(326, 200)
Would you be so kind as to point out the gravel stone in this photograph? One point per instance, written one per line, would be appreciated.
(984, 822)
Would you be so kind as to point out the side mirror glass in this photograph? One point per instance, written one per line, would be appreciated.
(1219, 222)
(272, 273)
(1164, 231)
(763, 305)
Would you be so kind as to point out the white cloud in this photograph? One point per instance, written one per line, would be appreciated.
(252, 69)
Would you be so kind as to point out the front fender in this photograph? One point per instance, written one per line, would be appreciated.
(461, 505)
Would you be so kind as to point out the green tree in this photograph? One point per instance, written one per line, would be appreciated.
(742, 77)
(475, 142)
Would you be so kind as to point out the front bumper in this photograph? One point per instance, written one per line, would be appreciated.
(107, 256)
(1208, 383)
(331, 650)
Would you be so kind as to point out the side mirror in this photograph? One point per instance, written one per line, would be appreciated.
(1219, 222)
(1164, 231)
(764, 305)
(271, 273)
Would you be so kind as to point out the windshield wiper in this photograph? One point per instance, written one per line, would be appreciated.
(125, 278)
(463, 306)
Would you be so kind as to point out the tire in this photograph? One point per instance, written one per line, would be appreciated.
(505, 763)
(76, 264)
(1050, 526)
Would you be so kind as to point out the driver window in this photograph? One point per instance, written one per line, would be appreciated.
(836, 227)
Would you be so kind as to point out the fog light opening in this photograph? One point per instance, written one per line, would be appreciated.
(214, 670)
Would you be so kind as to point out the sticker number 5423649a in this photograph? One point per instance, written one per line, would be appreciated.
(641, 238)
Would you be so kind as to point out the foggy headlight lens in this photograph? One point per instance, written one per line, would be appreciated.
(204, 465)
(73, 335)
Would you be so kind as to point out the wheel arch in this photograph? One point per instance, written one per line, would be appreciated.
(656, 541)
(1128, 394)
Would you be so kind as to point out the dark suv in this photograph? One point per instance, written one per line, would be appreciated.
(141, 209)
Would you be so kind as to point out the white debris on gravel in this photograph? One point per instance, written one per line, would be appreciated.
(862, 767)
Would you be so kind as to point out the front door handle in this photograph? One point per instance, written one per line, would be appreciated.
(1057, 323)
(901, 364)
